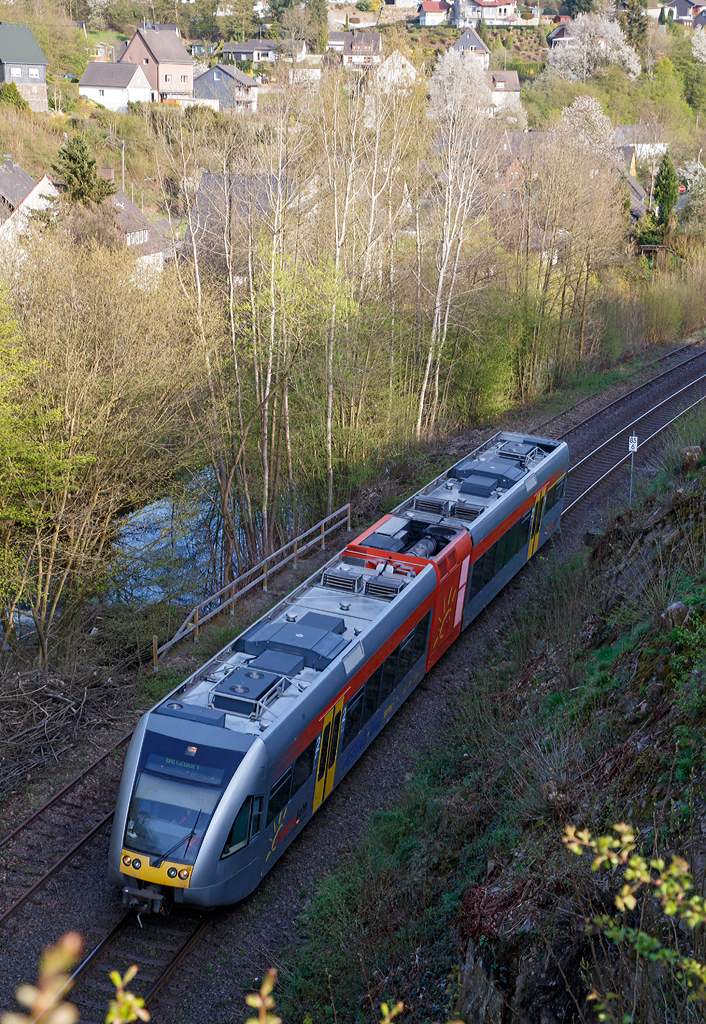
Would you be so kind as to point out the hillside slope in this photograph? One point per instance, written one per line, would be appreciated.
(590, 710)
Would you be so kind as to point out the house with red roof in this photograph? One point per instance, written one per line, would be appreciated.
(434, 12)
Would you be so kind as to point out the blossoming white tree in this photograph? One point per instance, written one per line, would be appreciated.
(698, 45)
(594, 43)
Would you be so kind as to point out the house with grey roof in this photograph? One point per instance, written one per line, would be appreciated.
(115, 85)
(263, 51)
(362, 50)
(234, 90)
(649, 140)
(22, 62)
(471, 45)
(15, 186)
(168, 68)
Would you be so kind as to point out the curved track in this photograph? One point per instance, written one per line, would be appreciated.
(594, 468)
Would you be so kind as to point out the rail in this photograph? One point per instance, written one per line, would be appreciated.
(226, 597)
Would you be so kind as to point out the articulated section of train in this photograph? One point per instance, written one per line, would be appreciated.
(223, 774)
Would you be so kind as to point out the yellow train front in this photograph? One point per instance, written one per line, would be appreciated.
(221, 775)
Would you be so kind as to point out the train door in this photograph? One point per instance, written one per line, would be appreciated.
(328, 751)
(536, 523)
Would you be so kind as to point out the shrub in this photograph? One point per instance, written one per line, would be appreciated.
(9, 93)
(364, 5)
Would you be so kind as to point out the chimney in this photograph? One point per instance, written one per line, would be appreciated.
(107, 172)
(8, 161)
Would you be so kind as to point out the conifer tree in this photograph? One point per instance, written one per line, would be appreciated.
(633, 22)
(482, 31)
(662, 16)
(77, 168)
(666, 189)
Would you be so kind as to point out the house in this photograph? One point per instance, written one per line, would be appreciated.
(626, 160)
(22, 62)
(236, 198)
(167, 66)
(234, 90)
(115, 85)
(262, 51)
(683, 12)
(18, 223)
(362, 49)
(103, 52)
(150, 245)
(494, 12)
(472, 46)
(395, 72)
(638, 206)
(395, 75)
(434, 12)
(504, 89)
(561, 38)
(15, 186)
(649, 140)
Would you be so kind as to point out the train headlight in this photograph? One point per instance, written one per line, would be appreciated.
(184, 874)
(127, 861)
(172, 872)
(137, 864)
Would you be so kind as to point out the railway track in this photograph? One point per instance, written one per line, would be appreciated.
(157, 945)
(71, 819)
(57, 832)
(594, 468)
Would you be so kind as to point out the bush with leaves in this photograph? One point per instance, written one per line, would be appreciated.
(651, 881)
(10, 94)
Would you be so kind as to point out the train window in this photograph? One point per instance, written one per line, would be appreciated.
(474, 584)
(333, 749)
(524, 530)
(420, 636)
(390, 675)
(489, 565)
(501, 551)
(513, 540)
(239, 833)
(256, 816)
(353, 713)
(555, 495)
(279, 796)
(324, 752)
(372, 690)
(406, 658)
(303, 767)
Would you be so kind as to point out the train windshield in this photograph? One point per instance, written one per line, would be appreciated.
(177, 790)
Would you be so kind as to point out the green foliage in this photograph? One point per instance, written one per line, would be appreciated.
(671, 886)
(10, 94)
(364, 5)
(78, 170)
(482, 31)
(662, 17)
(574, 7)
(633, 21)
(666, 191)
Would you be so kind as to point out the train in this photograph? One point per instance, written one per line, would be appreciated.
(224, 773)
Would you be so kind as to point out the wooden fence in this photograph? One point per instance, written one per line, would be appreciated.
(226, 597)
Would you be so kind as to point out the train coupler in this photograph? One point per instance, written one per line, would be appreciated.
(145, 901)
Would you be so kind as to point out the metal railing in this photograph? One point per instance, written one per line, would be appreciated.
(225, 598)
